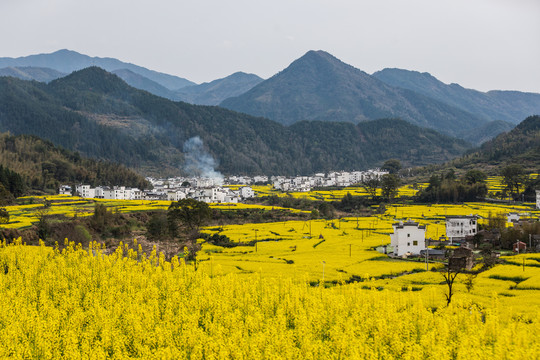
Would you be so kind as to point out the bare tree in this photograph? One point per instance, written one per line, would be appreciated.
(449, 277)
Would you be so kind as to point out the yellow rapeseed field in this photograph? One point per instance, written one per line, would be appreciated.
(76, 303)
(22, 216)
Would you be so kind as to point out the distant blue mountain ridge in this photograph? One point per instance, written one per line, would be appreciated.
(316, 86)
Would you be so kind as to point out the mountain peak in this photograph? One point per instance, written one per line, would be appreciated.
(323, 65)
(319, 55)
(92, 78)
(64, 52)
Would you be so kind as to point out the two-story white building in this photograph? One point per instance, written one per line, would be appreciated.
(85, 191)
(246, 192)
(409, 238)
(176, 195)
(458, 227)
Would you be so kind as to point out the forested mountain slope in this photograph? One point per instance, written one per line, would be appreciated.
(99, 115)
(520, 146)
(44, 166)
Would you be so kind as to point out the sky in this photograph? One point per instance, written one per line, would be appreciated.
(479, 44)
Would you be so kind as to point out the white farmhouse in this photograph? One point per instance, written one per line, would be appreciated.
(98, 192)
(260, 179)
(246, 192)
(458, 227)
(538, 199)
(176, 195)
(120, 193)
(136, 194)
(107, 193)
(409, 238)
(85, 191)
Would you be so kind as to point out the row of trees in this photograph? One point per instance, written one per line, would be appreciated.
(471, 186)
(518, 184)
(448, 188)
(183, 218)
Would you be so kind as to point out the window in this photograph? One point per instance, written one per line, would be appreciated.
(415, 243)
(408, 244)
(408, 235)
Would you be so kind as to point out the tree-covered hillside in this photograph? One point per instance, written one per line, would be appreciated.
(520, 147)
(99, 115)
(43, 166)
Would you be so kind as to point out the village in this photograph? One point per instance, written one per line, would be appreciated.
(215, 190)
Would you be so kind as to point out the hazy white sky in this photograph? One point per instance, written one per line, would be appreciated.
(481, 44)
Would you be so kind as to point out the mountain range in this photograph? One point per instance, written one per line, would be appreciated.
(509, 106)
(319, 86)
(67, 61)
(211, 93)
(316, 86)
(96, 113)
(48, 67)
(214, 92)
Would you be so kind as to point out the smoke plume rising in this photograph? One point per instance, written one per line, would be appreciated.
(198, 162)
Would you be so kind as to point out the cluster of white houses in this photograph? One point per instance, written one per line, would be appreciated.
(210, 190)
(306, 183)
(214, 194)
(283, 183)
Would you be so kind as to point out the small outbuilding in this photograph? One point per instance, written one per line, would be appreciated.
(461, 259)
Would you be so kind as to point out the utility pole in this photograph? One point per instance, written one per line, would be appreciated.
(256, 242)
(427, 251)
